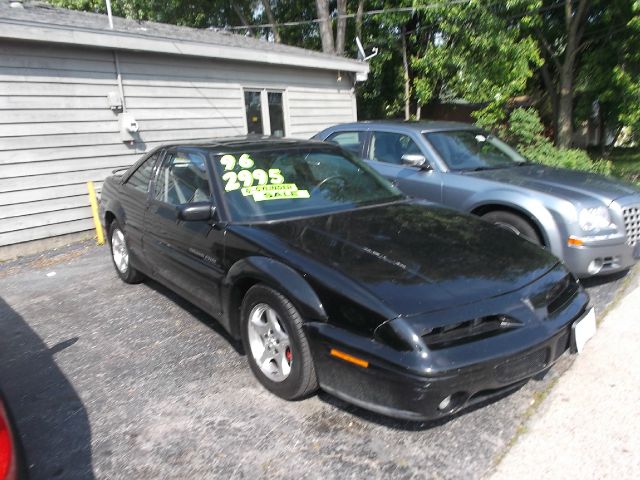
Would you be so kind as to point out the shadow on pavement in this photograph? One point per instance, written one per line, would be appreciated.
(51, 419)
(601, 280)
(200, 315)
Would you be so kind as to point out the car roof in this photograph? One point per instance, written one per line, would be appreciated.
(421, 126)
(247, 142)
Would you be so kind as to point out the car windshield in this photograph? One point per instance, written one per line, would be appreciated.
(473, 150)
(271, 184)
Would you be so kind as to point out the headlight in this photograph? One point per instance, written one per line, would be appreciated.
(594, 219)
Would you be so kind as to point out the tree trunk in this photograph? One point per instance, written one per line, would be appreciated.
(359, 14)
(326, 32)
(564, 136)
(341, 26)
(553, 97)
(274, 26)
(574, 26)
(407, 80)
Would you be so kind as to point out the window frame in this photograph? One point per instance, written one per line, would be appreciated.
(264, 109)
(399, 133)
(366, 135)
(172, 151)
(125, 180)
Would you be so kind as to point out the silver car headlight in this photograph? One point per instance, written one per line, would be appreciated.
(594, 219)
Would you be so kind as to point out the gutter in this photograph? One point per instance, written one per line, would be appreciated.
(118, 40)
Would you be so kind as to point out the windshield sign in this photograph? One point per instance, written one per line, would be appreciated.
(473, 150)
(274, 184)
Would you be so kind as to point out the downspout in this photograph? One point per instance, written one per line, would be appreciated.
(116, 60)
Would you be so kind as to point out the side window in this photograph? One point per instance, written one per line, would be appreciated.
(351, 141)
(182, 178)
(389, 147)
(142, 176)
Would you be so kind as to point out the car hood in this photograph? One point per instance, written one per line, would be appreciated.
(567, 184)
(413, 257)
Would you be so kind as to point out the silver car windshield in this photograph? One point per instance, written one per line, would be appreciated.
(473, 150)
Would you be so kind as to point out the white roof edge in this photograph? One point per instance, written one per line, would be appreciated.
(118, 40)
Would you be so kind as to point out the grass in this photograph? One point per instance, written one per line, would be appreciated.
(626, 164)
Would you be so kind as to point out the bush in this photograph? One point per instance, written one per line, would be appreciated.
(547, 154)
(525, 127)
(525, 132)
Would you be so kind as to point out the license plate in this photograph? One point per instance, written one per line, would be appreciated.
(582, 330)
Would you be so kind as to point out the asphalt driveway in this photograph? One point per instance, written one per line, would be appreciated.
(109, 380)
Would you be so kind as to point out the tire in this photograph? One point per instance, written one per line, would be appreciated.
(277, 349)
(514, 223)
(120, 255)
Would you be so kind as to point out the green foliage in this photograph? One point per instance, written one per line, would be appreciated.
(626, 164)
(525, 126)
(525, 131)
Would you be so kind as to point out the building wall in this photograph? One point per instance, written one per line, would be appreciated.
(57, 130)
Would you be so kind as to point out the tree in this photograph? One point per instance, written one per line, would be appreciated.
(274, 26)
(476, 51)
(329, 45)
(560, 36)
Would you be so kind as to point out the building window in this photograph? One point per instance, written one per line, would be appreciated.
(253, 108)
(276, 114)
(265, 112)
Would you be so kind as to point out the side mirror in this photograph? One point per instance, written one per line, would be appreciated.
(415, 160)
(196, 212)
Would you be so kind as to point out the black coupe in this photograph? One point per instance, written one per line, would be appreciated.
(333, 279)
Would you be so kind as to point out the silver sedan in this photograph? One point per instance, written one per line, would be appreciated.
(589, 221)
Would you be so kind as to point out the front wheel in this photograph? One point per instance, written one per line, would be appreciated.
(515, 224)
(120, 255)
(277, 348)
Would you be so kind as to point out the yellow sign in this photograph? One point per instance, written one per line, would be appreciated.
(274, 192)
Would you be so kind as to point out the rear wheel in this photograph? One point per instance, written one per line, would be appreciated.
(275, 343)
(515, 224)
(120, 255)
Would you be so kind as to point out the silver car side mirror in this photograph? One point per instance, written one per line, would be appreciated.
(415, 160)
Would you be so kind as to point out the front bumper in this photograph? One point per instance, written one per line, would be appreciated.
(413, 385)
(614, 255)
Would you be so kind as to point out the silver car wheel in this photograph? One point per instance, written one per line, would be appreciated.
(269, 343)
(119, 251)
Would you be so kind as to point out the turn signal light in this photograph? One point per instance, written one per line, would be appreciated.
(574, 241)
(349, 358)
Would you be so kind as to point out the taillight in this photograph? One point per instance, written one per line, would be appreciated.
(7, 452)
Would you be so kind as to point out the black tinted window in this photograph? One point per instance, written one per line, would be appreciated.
(351, 141)
(389, 147)
(142, 176)
(182, 178)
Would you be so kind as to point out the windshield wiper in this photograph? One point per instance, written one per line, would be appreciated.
(479, 169)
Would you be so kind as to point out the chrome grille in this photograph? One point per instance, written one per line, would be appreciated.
(631, 216)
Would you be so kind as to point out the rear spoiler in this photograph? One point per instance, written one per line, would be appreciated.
(121, 169)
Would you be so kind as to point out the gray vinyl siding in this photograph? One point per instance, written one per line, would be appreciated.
(57, 131)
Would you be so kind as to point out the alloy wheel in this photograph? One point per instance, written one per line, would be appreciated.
(269, 343)
(119, 251)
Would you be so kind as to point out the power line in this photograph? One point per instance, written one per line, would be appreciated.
(352, 15)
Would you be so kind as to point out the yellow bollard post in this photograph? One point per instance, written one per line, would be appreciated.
(94, 210)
